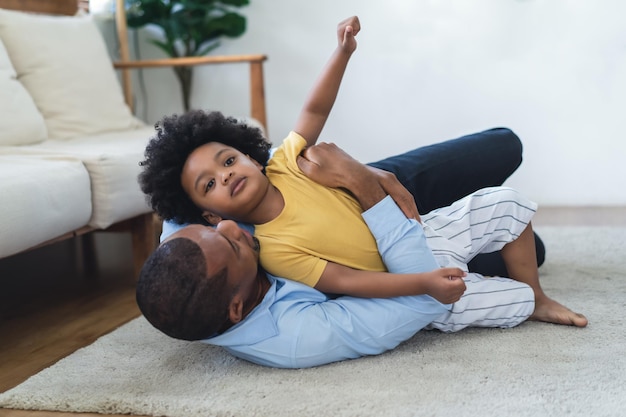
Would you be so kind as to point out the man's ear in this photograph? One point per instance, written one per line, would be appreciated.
(212, 218)
(235, 309)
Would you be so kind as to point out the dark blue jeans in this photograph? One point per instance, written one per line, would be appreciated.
(439, 174)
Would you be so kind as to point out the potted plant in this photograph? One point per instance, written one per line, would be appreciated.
(188, 28)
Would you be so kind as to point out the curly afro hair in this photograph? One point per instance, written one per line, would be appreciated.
(177, 136)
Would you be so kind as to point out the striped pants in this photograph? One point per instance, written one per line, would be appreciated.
(482, 222)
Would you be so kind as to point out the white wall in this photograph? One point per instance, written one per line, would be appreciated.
(553, 71)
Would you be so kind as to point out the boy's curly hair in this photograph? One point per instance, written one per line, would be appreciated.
(177, 136)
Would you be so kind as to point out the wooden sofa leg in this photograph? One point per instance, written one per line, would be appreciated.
(144, 240)
(87, 245)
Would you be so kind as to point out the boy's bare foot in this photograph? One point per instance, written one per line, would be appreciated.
(548, 310)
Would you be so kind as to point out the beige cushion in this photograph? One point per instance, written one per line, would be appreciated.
(20, 121)
(112, 160)
(64, 64)
(42, 199)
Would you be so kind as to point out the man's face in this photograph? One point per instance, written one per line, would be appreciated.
(227, 247)
(223, 182)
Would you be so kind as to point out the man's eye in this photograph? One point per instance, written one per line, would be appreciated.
(209, 185)
(229, 161)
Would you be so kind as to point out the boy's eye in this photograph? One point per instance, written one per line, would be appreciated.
(209, 185)
(229, 161)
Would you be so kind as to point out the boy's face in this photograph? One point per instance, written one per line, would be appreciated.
(223, 182)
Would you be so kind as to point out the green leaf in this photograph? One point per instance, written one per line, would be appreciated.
(189, 27)
(164, 47)
(236, 3)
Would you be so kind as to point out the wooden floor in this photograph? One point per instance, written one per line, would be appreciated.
(52, 302)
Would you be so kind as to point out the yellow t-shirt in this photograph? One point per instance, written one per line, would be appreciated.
(317, 225)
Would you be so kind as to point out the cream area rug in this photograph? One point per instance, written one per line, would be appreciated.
(536, 369)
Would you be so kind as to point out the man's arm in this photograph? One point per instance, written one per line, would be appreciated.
(322, 97)
(329, 165)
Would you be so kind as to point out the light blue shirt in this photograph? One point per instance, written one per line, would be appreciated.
(171, 227)
(296, 326)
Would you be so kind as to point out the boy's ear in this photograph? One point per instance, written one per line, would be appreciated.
(212, 218)
(235, 309)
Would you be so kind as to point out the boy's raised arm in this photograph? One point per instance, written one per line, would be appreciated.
(324, 92)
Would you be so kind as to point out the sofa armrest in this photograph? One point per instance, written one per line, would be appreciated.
(257, 89)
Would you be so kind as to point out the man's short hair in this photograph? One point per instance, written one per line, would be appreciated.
(177, 297)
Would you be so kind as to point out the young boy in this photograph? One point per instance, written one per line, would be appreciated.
(334, 251)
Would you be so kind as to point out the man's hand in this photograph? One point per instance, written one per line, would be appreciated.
(403, 198)
(329, 165)
(446, 285)
(347, 29)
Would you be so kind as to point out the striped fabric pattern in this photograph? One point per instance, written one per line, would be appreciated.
(482, 222)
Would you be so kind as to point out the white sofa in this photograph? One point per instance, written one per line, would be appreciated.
(69, 145)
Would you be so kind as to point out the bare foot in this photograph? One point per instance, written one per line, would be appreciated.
(550, 311)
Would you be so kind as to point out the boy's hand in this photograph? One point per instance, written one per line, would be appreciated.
(446, 285)
(346, 31)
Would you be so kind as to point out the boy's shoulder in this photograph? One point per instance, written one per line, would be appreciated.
(288, 150)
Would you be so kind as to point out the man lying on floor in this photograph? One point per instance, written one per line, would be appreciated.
(206, 284)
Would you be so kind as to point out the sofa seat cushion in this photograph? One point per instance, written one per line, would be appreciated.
(112, 160)
(42, 199)
(64, 64)
(20, 121)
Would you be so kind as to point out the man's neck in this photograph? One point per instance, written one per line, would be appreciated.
(262, 286)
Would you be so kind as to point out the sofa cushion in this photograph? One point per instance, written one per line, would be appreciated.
(20, 121)
(42, 198)
(64, 64)
(112, 160)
